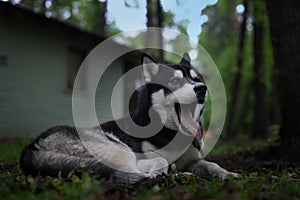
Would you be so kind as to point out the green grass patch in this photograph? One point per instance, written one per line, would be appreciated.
(237, 145)
(269, 185)
(11, 150)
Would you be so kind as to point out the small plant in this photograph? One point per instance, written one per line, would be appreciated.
(274, 137)
(180, 178)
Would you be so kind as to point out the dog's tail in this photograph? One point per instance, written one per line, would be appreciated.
(36, 161)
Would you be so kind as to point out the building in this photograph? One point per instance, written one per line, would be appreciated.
(39, 58)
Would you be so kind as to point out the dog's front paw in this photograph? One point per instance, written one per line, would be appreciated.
(153, 167)
(235, 175)
(188, 173)
(226, 175)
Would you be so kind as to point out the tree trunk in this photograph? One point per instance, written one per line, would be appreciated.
(149, 23)
(100, 17)
(43, 7)
(235, 88)
(160, 25)
(284, 17)
(149, 14)
(260, 119)
(102, 24)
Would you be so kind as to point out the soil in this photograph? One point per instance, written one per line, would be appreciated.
(268, 158)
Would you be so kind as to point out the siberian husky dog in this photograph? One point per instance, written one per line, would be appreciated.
(175, 94)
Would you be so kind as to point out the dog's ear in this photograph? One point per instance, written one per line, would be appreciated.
(186, 59)
(150, 68)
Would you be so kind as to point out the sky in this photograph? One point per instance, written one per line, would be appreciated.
(133, 18)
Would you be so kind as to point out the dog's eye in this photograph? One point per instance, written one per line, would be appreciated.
(197, 79)
(175, 81)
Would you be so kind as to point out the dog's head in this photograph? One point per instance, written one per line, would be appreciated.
(177, 94)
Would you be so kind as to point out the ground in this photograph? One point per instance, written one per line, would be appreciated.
(267, 174)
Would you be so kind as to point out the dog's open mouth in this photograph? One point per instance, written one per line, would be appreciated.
(187, 122)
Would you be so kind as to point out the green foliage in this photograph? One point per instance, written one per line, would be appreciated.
(11, 150)
(112, 29)
(182, 26)
(179, 178)
(169, 19)
(47, 187)
(80, 13)
(131, 3)
(236, 145)
(85, 14)
(169, 22)
(220, 37)
(274, 137)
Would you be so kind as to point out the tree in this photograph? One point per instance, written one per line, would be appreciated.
(154, 17)
(160, 19)
(260, 117)
(149, 22)
(100, 17)
(235, 91)
(239, 43)
(224, 39)
(36, 5)
(284, 18)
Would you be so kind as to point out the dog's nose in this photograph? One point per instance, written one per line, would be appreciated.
(200, 89)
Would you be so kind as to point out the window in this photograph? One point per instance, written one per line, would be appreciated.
(3, 61)
(75, 59)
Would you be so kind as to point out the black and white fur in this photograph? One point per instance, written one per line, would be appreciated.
(60, 150)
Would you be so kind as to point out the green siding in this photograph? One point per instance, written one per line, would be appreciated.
(33, 87)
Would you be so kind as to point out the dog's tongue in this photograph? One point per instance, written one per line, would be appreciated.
(190, 124)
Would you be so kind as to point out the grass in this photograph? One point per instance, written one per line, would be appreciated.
(236, 145)
(11, 150)
(279, 182)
